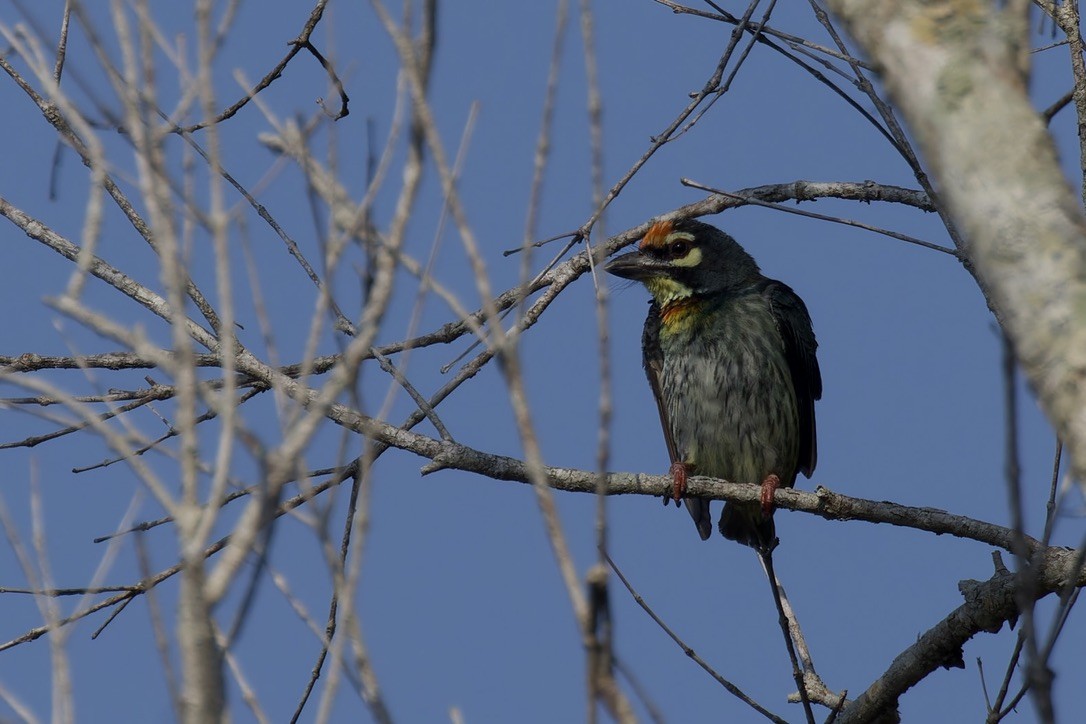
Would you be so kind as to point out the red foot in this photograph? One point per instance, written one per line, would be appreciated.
(769, 486)
(678, 476)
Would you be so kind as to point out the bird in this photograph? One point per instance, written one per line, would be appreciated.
(730, 356)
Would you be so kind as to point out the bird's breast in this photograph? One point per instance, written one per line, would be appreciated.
(728, 391)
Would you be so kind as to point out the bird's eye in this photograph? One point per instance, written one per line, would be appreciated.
(678, 248)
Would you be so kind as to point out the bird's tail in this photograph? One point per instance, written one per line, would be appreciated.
(699, 511)
(745, 523)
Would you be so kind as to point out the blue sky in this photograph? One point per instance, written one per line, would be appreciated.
(461, 602)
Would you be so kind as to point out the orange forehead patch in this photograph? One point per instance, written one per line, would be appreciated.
(656, 236)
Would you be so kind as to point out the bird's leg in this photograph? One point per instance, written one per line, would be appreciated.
(678, 472)
(769, 486)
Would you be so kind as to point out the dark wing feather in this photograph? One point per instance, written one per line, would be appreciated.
(653, 358)
(654, 368)
(794, 325)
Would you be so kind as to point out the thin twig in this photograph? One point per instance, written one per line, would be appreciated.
(1050, 506)
(423, 405)
(823, 217)
(996, 706)
(728, 686)
(726, 17)
(62, 43)
(1038, 675)
(766, 557)
(602, 682)
(272, 75)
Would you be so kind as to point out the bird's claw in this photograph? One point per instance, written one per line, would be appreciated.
(678, 477)
(769, 487)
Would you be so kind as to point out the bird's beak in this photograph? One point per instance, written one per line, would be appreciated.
(635, 265)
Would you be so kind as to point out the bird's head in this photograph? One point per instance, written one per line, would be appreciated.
(682, 259)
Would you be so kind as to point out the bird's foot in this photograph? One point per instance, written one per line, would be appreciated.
(769, 486)
(678, 474)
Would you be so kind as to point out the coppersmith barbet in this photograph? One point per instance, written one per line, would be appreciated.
(730, 357)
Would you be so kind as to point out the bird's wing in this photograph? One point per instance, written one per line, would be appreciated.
(654, 369)
(794, 325)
